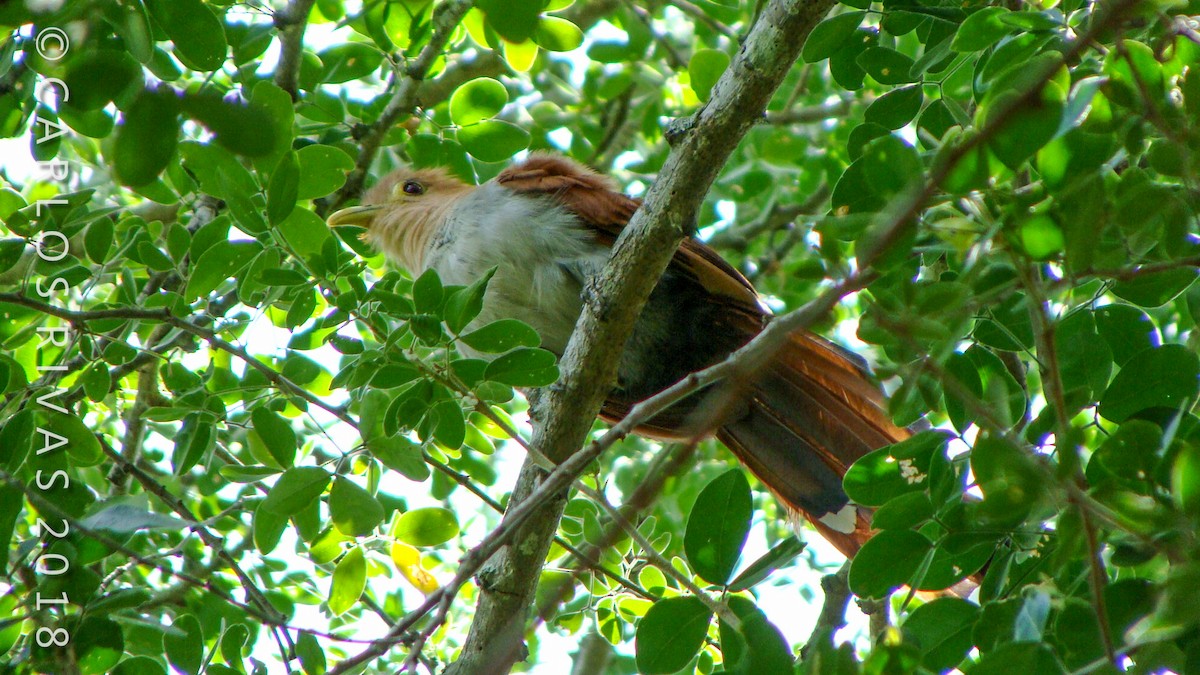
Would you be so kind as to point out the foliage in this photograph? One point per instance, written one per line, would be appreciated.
(228, 433)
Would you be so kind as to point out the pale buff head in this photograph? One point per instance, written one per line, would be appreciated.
(402, 212)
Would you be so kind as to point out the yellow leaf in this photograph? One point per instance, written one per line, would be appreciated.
(408, 560)
(520, 55)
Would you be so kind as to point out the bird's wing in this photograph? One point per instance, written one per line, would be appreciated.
(798, 424)
(597, 202)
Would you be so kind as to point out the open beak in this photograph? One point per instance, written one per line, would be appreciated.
(360, 216)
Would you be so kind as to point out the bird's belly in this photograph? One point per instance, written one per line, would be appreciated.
(542, 296)
(540, 257)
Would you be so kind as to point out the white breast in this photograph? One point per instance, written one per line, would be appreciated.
(541, 253)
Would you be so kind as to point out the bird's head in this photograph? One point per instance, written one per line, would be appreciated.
(402, 212)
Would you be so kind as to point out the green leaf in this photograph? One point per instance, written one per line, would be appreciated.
(12, 503)
(758, 646)
(514, 20)
(980, 30)
(233, 641)
(222, 175)
(1011, 483)
(718, 525)
(192, 443)
(123, 518)
(830, 35)
(888, 560)
(250, 473)
(153, 258)
(146, 138)
(1030, 21)
(1185, 479)
(464, 305)
(267, 528)
(354, 512)
(1084, 359)
(896, 108)
(349, 61)
(323, 170)
(276, 104)
(1128, 457)
(295, 489)
(555, 34)
(16, 437)
(478, 100)
(11, 250)
(705, 68)
(1018, 657)
(778, 557)
(400, 454)
(903, 512)
(493, 140)
(886, 65)
(100, 77)
(305, 232)
(221, 261)
(500, 336)
(1024, 130)
(1156, 288)
(283, 191)
(451, 429)
(893, 470)
(428, 293)
(97, 240)
(941, 629)
(132, 23)
(1041, 237)
(276, 434)
(237, 126)
(524, 367)
(312, 656)
(185, 644)
(349, 580)
(670, 635)
(890, 166)
(1165, 377)
(81, 443)
(198, 35)
(427, 527)
(1133, 68)
(1127, 330)
(139, 665)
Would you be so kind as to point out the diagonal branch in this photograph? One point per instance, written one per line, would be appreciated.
(613, 302)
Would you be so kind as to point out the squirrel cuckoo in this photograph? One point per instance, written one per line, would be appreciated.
(548, 224)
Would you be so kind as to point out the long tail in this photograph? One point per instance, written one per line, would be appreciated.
(811, 414)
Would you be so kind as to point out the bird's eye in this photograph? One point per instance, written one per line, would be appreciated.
(412, 187)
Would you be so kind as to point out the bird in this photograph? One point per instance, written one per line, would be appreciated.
(547, 224)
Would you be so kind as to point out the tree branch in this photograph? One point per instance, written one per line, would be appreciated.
(433, 92)
(445, 19)
(291, 23)
(612, 304)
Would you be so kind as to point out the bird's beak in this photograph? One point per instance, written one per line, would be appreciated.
(360, 216)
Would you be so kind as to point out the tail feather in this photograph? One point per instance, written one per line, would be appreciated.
(812, 414)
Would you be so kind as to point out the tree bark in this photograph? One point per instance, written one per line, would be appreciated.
(563, 417)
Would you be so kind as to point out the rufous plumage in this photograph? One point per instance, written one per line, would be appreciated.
(547, 224)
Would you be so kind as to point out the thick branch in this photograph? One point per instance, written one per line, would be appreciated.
(613, 303)
(291, 23)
